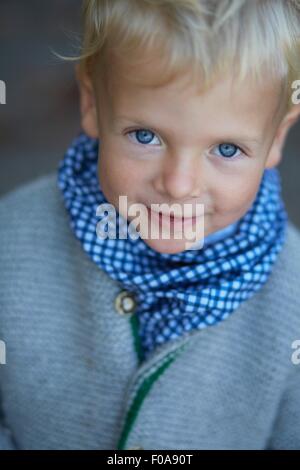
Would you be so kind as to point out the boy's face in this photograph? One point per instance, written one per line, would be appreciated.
(167, 145)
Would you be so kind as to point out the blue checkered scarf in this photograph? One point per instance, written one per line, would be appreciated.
(175, 293)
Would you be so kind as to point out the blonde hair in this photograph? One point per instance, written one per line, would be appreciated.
(259, 38)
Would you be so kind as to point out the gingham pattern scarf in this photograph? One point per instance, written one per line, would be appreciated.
(175, 293)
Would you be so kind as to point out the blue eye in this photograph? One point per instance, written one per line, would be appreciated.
(228, 150)
(143, 136)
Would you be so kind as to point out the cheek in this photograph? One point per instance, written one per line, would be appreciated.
(117, 177)
(236, 195)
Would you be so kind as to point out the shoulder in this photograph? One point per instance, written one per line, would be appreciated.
(43, 265)
(36, 238)
(293, 237)
(281, 294)
(35, 232)
(30, 199)
(287, 267)
(34, 214)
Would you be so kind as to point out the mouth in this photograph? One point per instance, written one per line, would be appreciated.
(170, 219)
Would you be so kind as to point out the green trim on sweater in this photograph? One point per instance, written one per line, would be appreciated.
(137, 343)
(141, 394)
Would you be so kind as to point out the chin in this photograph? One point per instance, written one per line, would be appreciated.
(171, 246)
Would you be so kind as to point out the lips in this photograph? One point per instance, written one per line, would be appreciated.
(168, 220)
(171, 215)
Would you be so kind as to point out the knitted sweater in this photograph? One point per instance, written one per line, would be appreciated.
(73, 379)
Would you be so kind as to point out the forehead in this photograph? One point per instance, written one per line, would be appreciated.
(134, 95)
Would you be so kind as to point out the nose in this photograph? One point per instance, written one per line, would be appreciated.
(181, 176)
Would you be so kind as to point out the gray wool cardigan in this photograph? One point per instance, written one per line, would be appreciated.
(73, 378)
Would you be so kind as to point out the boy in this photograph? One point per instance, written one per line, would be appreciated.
(154, 342)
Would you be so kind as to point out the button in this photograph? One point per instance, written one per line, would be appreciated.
(125, 303)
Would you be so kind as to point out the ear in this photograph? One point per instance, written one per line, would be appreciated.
(275, 153)
(88, 108)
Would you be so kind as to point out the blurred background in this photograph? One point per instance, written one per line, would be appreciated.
(41, 115)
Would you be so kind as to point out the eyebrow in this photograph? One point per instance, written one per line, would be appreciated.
(225, 138)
